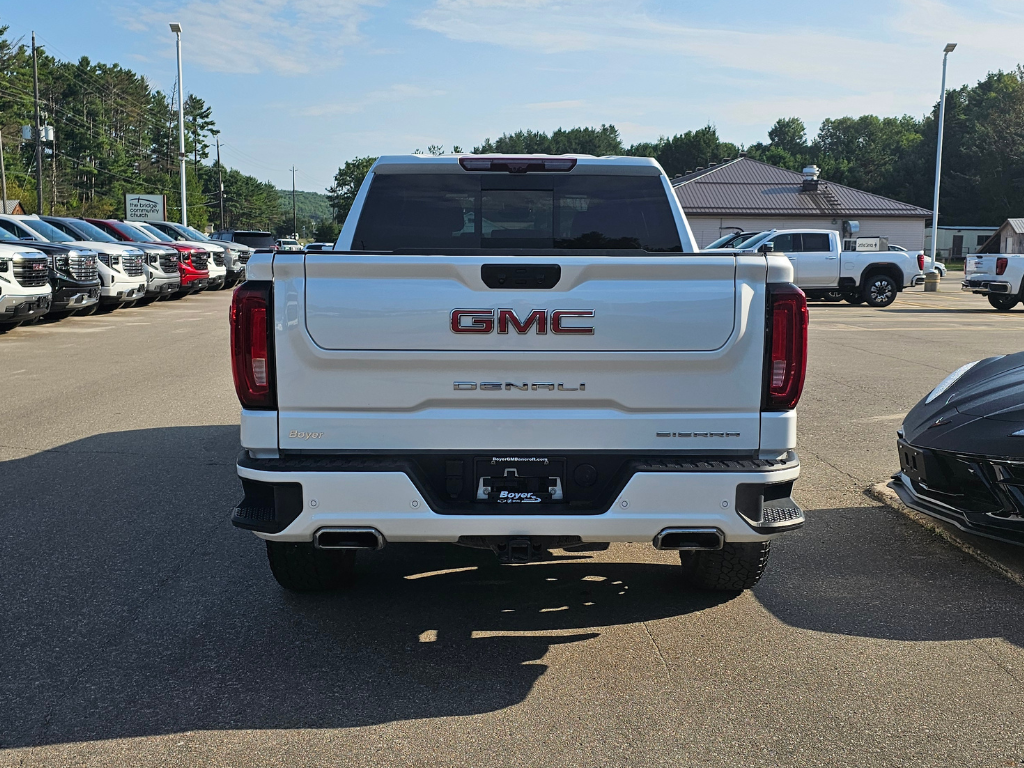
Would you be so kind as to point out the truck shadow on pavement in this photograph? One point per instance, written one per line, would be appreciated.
(133, 608)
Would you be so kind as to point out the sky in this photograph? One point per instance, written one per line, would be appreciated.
(313, 83)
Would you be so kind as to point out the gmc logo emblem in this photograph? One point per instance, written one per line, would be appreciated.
(542, 321)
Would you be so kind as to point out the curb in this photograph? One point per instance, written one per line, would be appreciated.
(949, 533)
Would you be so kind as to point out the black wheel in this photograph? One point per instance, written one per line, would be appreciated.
(833, 296)
(858, 299)
(879, 290)
(734, 567)
(300, 567)
(9, 326)
(1002, 303)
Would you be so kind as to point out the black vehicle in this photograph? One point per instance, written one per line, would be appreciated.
(239, 252)
(73, 274)
(255, 239)
(962, 450)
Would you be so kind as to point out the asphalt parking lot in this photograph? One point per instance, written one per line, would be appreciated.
(139, 628)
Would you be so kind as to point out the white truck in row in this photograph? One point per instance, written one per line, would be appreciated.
(518, 354)
(999, 277)
(825, 271)
(25, 291)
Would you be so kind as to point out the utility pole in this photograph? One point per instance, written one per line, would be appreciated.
(295, 228)
(39, 133)
(3, 173)
(176, 29)
(220, 182)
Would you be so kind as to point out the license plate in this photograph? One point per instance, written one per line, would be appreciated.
(517, 479)
(912, 462)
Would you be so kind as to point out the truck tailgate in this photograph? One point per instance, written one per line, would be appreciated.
(367, 359)
(405, 303)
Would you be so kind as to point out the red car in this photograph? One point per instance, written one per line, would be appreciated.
(192, 261)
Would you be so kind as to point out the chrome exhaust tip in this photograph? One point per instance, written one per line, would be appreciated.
(348, 538)
(689, 539)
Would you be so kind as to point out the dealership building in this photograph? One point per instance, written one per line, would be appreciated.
(746, 194)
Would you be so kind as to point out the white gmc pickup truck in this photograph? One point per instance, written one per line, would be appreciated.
(825, 271)
(518, 353)
(1000, 277)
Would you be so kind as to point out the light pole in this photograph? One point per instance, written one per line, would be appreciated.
(933, 283)
(176, 29)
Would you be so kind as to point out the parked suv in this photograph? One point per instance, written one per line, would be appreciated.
(236, 255)
(24, 284)
(73, 270)
(160, 263)
(256, 239)
(192, 261)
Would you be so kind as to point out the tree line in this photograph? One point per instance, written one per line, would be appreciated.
(114, 134)
(983, 152)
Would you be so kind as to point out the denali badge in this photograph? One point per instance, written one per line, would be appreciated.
(541, 320)
(495, 386)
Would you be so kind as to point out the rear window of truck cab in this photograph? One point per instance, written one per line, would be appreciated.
(416, 212)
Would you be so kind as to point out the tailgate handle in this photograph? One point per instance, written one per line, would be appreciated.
(520, 276)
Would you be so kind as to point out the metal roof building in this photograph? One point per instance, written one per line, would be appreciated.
(1009, 238)
(751, 195)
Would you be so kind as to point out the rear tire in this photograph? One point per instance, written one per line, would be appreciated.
(300, 567)
(879, 290)
(1003, 303)
(733, 568)
(832, 296)
(858, 299)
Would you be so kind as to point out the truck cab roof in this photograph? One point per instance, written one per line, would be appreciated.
(512, 163)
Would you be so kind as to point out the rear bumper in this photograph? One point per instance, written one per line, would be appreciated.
(986, 285)
(295, 503)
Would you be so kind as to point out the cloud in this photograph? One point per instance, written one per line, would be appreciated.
(287, 37)
(890, 62)
(398, 92)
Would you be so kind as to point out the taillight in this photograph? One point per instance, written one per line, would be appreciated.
(920, 261)
(252, 363)
(786, 347)
(1001, 263)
